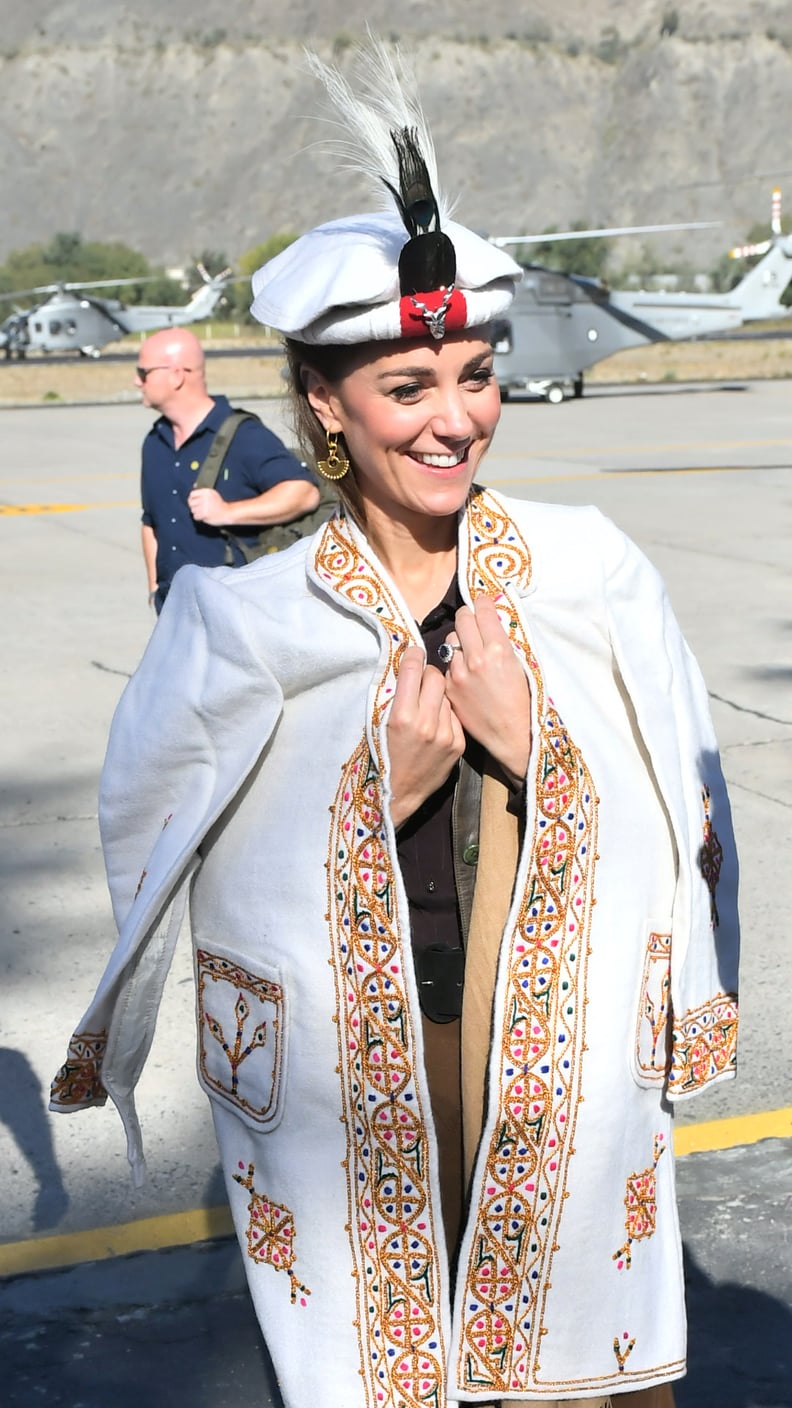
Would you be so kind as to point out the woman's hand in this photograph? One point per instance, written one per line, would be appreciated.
(425, 739)
(487, 688)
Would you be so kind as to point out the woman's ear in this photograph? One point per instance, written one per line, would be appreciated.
(321, 399)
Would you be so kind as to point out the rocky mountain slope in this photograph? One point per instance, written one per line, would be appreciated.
(192, 125)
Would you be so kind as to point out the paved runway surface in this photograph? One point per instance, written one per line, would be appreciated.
(702, 479)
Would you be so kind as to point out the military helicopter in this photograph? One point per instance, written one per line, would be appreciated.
(561, 324)
(72, 319)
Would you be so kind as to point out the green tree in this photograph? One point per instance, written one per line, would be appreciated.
(68, 258)
(238, 293)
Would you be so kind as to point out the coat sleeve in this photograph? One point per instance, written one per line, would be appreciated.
(189, 727)
(672, 712)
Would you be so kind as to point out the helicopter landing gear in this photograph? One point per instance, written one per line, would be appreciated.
(577, 385)
(555, 393)
(90, 352)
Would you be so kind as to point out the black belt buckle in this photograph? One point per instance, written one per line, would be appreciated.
(440, 971)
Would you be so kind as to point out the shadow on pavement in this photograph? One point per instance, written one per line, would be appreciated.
(739, 1345)
(23, 1109)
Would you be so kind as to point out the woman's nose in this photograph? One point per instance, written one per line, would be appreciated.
(452, 418)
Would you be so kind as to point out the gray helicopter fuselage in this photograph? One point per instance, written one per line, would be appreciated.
(77, 322)
(559, 325)
(64, 323)
(556, 328)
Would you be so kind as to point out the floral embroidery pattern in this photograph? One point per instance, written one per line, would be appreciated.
(270, 1233)
(623, 1351)
(78, 1082)
(653, 1028)
(542, 1041)
(391, 1229)
(240, 1021)
(640, 1202)
(710, 857)
(704, 1043)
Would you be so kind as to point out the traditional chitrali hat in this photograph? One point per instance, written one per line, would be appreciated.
(406, 271)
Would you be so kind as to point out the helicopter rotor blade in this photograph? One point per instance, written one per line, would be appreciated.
(501, 240)
(111, 283)
(67, 286)
(223, 276)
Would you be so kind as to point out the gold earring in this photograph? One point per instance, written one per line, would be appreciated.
(335, 466)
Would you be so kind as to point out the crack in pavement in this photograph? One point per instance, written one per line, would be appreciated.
(743, 709)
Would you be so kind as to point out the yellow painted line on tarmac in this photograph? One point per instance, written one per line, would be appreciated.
(183, 1228)
(100, 1243)
(11, 510)
(728, 1134)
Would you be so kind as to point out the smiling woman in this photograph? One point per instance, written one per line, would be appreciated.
(441, 786)
(416, 426)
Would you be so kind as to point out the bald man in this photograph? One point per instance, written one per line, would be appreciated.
(260, 483)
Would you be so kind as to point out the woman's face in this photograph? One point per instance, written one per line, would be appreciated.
(417, 418)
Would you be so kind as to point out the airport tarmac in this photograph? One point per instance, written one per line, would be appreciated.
(702, 479)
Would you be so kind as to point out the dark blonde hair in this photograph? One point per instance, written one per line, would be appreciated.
(332, 363)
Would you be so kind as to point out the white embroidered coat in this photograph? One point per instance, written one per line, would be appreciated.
(249, 756)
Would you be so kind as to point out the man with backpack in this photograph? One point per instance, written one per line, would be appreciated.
(216, 485)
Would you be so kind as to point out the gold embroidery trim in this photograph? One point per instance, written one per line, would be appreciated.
(270, 1233)
(653, 1028)
(78, 1083)
(542, 1040)
(640, 1204)
(391, 1230)
(249, 1034)
(704, 1044)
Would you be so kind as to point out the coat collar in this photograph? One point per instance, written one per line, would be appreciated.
(493, 558)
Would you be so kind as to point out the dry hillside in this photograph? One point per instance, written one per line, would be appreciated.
(191, 125)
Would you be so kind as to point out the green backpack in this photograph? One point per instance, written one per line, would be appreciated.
(273, 536)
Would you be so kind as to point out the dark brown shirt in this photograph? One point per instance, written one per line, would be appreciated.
(424, 841)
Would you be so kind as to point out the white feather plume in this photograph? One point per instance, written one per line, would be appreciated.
(387, 101)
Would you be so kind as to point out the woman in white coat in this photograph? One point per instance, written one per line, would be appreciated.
(441, 787)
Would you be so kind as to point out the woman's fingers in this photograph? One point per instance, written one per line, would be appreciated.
(425, 738)
(487, 686)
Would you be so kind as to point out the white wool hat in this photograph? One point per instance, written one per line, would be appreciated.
(339, 283)
(407, 271)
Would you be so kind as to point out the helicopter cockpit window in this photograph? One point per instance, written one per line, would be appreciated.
(553, 288)
(55, 327)
(38, 327)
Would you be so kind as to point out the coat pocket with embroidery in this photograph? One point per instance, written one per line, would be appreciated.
(652, 1043)
(241, 1035)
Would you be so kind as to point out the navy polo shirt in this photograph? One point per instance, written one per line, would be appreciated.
(256, 460)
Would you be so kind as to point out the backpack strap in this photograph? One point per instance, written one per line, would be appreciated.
(208, 474)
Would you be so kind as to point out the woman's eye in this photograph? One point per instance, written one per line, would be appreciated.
(482, 376)
(409, 392)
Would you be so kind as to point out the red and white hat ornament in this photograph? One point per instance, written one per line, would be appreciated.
(408, 271)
